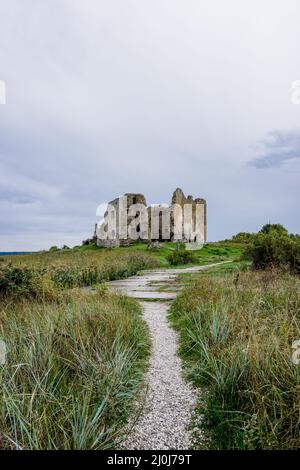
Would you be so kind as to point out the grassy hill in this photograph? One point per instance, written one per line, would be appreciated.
(76, 357)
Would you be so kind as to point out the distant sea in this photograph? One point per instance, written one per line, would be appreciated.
(4, 253)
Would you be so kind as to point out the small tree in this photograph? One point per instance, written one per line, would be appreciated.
(277, 228)
(243, 237)
(272, 249)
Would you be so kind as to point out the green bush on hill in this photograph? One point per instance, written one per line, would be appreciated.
(243, 237)
(181, 257)
(273, 247)
(275, 229)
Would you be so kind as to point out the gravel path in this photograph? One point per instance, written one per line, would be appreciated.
(169, 402)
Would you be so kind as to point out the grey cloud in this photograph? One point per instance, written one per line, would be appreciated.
(105, 98)
(279, 148)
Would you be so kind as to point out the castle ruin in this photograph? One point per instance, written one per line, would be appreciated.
(185, 219)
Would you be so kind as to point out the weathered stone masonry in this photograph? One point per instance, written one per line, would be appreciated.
(178, 199)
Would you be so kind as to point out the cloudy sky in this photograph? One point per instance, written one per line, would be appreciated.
(111, 96)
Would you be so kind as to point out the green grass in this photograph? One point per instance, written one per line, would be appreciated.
(236, 330)
(89, 265)
(210, 253)
(73, 367)
(219, 271)
(40, 274)
(75, 359)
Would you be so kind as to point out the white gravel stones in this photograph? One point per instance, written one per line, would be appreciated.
(170, 400)
(168, 404)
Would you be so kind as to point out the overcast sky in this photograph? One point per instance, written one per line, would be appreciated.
(114, 96)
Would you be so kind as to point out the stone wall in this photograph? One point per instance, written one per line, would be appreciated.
(178, 199)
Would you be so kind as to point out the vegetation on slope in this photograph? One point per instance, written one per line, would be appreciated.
(75, 359)
(210, 253)
(40, 274)
(274, 247)
(73, 367)
(236, 334)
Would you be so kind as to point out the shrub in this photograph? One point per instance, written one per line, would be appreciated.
(181, 257)
(270, 249)
(243, 237)
(25, 281)
(15, 279)
(274, 228)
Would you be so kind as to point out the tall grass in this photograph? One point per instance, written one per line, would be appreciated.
(39, 274)
(236, 334)
(73, 366)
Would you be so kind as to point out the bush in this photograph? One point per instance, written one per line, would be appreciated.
(243, 237)
(15, 279)
(181, 257)
(28, 282)
(274, 228)
(270, 249)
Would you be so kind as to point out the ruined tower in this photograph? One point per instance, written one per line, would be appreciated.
(161, 221)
